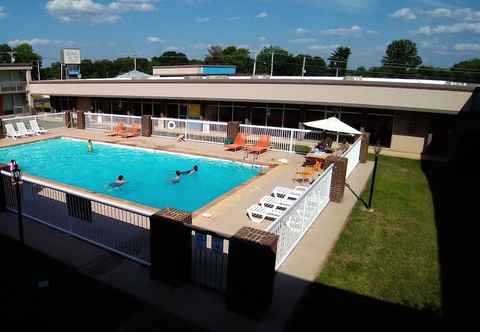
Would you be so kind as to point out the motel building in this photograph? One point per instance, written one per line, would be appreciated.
(14, 82)
(407, 116)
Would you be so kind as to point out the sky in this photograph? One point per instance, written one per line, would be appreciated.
(446, 32)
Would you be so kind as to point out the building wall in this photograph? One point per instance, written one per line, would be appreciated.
(176, 71)
(410, 130)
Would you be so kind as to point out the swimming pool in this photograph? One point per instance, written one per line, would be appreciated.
(148, 172)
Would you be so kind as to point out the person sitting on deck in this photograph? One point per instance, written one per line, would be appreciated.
(12, 165)
(180, 138)
(118, 183)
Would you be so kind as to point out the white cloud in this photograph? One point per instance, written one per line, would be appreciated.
(95, 12)
(372, 32)
(303, 40)
(153, 40)
(301, 31)
(202, 19)
(354, 30)
(450, 29)
(404, 14)
(262, 38)
(39, 42)
(467, 47)
(466, 14)
(262, 15)
(2, 11)
(322, 48)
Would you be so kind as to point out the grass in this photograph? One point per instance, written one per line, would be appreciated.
(385, 262)
(391, 254)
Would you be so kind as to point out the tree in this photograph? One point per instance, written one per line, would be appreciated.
(24, 54)
(403, 53)
(214, 56)
(284, 63)
(467, 71)
(339, 60)
(314, 65)
(4, 56)
(170, 58)
(240, 57)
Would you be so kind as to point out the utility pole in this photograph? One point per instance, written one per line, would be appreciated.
(271, 64)
(61, 71)
(12, 58)
(135, 62)
(255, 65)
(38, 69)
(303, 67)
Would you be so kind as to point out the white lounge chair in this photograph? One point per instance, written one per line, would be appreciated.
(258, 213)
(36, 128)
(23, 130)
(11, 132)
(276, 203)
(287, 193)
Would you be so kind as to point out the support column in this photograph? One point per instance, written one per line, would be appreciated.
(251, 271)
(364, 148)
(171, 246)
(3, 199)
(2, 127)
(80, 120)
(67, 119)
(146, 125)
(337, 187)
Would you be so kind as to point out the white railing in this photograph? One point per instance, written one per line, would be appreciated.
(109, 121)
(353, 156)
(121, 229)
(46, 121)
(193, 130)
(296, 221)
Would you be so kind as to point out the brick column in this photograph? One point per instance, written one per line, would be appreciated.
(2, 129)
(364, 148)
(233, 128)
(170, 246)
(251, 271)
(3, 200)
(67, 119)
(80, 120)
(337, 187)
(147, 125)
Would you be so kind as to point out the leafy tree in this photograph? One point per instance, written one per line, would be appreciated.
(24, 54)
(339, 59)
(240, 57)
(314, 65)
(467, 71)
(402, 52)
(170, 58)
(283, 64)
(214, 56)
(4, 56)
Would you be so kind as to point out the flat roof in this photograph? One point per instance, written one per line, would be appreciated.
(195, 66)
(15, 66)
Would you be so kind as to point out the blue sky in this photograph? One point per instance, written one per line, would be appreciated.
(445, 31)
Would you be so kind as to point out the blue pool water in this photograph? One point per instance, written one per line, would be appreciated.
(148, 173)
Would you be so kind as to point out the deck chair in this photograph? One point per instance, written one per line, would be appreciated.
(23, 130)
(118, 130)
(258, 213)
(238, 144)
(36, 128)
(276, 203)
(11, 132)
(287, 193)
(261, 146)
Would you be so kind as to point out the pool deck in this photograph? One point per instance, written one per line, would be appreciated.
(230, 206)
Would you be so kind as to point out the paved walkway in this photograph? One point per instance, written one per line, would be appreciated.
(196, 304)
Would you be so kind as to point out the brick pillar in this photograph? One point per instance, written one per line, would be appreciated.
(67, 119)
(364, 148)
(2, 129)
(339, 175)
(80, 120)
(251, 271)
(233, 128)
(147, 125)
(171, 246)
(3, 200)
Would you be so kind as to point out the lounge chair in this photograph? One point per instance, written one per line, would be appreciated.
(287, 193)
(258, 213)
(118, 130)
(305, 175)
(276, 203)
(238, 144)
(11, 132)
(23, 130)
(132, 131)
(36, 128)
(261, 146)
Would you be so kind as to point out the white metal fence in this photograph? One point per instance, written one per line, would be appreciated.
(109, 121)
(353, 156)
(46, 121)
(193, 130)
(120, 229)
(296, 221)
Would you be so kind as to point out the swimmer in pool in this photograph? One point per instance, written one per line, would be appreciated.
(120, 181)
(176, 179)
(90, 146)
(193, 170)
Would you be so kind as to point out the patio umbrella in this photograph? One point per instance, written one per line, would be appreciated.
(334, 125)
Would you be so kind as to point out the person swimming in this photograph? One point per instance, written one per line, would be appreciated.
(90, 146)
(190, 171)
(120, 181)
(176, 179)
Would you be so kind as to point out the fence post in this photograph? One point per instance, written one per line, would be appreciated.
(171, 246)
(339, 175)
(67, 119)
(146, 125)
(291, 141)
(3, 199)
(2, 135)
(251, 271)
(233, 128)
(80, 120)
(364, 148)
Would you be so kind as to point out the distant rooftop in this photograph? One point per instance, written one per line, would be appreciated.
(194, 70)
(133, 75)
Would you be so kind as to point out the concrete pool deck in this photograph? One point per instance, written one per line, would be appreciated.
(230, 206)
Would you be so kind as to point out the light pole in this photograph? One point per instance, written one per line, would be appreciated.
(17, 181)
(377, 150)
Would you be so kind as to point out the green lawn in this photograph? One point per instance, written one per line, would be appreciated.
(391, 254)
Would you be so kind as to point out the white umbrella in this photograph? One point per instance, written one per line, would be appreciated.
(334, 125)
